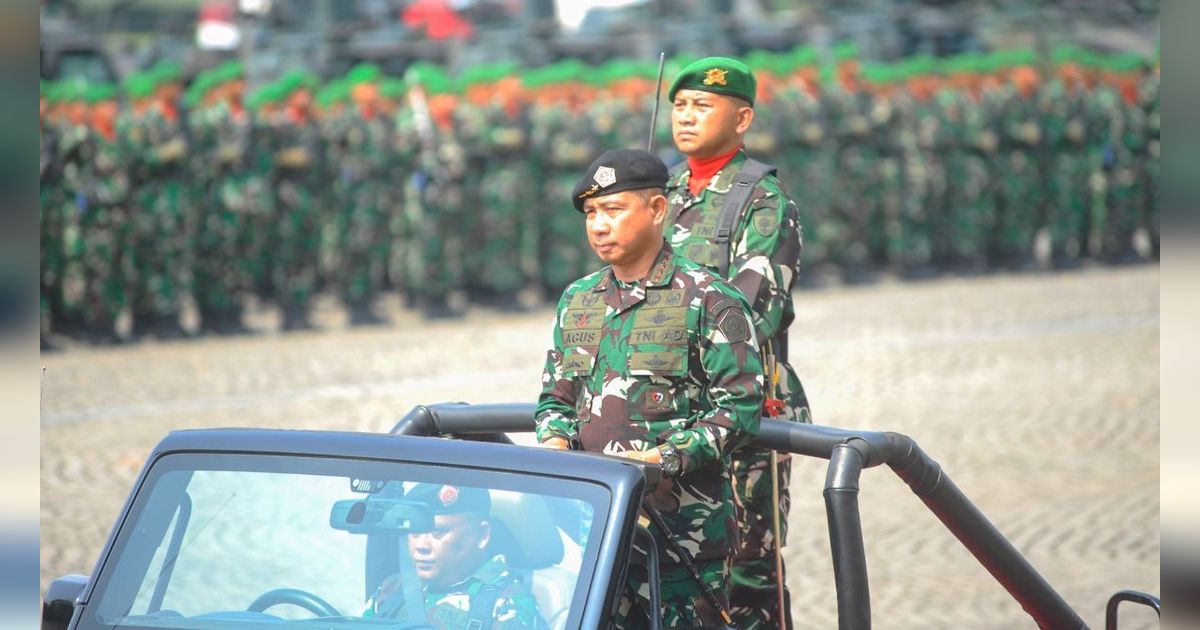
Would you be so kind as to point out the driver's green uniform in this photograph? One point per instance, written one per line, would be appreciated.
(492, 585)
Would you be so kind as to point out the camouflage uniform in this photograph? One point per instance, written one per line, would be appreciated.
(763, 255)
(161, 242)
(507, 250)
(222, 268)
(362, 220)
(672, 359)
(565, 143)
(513, 606)
(295, 235)
(104, 231)
(434, 202)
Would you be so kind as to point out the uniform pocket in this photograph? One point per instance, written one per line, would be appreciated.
(578, 361)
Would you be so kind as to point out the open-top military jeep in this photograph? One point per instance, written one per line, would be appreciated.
(247, 528)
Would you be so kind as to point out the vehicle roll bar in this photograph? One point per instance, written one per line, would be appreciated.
(848, 452)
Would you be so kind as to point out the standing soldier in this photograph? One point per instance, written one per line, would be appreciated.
(655, 359)
(104, 227)
(157, 153)
(1065, 123)
(856, 168)
(296, 150)
(508, 245)
(808, 158)
(221, 134)
(1019, 211)
(564, 141)
(729, 213)
(362, 221)
(434, 198)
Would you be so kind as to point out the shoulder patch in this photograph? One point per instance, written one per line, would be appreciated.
(732, 323)
(765, 222)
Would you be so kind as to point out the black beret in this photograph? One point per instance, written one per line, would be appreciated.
(449, 499)
(617, 170)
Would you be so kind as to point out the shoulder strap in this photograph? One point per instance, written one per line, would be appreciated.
(482, 606)
(735, 202)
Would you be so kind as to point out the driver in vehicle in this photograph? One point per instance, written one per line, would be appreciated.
(465, 585)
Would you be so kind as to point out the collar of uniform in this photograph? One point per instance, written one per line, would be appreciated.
(660, 273)
(723, 180)
(720, 183)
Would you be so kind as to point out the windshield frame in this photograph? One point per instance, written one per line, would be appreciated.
(598, 494)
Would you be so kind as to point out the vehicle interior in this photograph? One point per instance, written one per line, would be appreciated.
(541, 545)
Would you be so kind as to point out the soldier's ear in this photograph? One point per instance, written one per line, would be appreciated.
(745, 117)
(658, 205)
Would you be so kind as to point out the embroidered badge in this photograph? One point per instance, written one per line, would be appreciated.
(715, 76)
(765, 223)
(448, 495)
(605, 176)
(732, 323)
(657, 397)
(589, 192)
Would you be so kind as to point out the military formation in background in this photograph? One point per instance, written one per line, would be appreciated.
(452, 190)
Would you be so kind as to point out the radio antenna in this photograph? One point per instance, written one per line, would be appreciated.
(662, 59)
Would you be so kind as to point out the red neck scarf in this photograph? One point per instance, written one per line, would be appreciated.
(703, 170)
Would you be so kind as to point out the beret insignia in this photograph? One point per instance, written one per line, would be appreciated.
(448, 495)
(605, 176)
(715, 76)
(732, 323)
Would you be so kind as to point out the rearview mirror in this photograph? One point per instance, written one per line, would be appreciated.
(375, 515)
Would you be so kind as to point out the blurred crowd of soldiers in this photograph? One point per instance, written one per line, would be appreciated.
(450, 190)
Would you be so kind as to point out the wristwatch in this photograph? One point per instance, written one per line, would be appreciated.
(672, 463)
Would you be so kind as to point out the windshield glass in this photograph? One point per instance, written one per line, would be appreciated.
(217, 541)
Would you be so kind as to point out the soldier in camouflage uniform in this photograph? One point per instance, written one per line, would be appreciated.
(221, 130)
(507, 245)
(465, 585)
(362, 220)
(655, 358)
(104, 225)
(434, 197)
(161, 245)
(295, 236)
(713, 109)
(565, 141)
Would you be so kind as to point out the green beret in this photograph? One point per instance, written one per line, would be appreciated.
(139, 85)
(166, 71)
(364, 73)
(845, 51)
(296, 80)
(450, 499)
(719, 75)
(231, 70)
(100, 92)
(618, 170)
(391, 88)
(804, 56)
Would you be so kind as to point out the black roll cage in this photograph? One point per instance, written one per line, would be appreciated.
(848, 452)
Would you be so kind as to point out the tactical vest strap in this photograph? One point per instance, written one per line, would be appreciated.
(483, 604)
(735, 203)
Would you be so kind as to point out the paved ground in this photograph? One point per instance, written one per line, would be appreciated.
(1038, 394)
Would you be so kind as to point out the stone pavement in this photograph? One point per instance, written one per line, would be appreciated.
(1038, 394)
